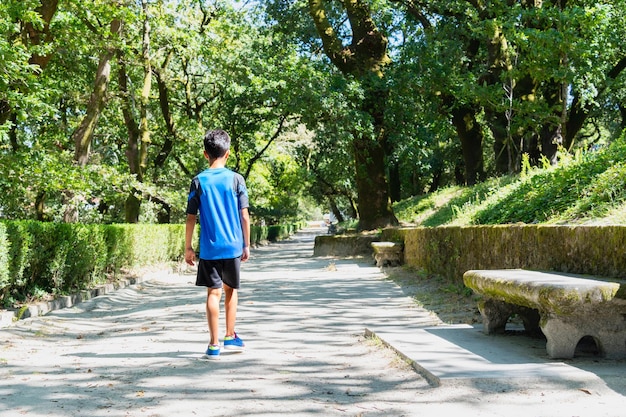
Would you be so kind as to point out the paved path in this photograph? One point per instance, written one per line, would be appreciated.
(137, 352)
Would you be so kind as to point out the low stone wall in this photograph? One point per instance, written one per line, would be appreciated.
(344, 245)
(450, 250)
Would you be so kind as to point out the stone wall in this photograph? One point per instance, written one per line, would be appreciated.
(344, 245)
(450, 251)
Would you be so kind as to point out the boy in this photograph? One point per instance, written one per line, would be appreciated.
(222, 199)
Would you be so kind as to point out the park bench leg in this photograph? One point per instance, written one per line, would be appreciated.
(607, 328)
(611, 336)
(562, 338)
(383, 259)
(613, 347)
(497, 313)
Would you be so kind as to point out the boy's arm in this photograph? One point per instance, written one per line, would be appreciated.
(190, 254)
(245, 226)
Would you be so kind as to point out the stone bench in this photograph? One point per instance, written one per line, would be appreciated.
(564, 307)
(388, 253)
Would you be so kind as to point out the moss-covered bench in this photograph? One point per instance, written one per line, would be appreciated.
(565, 307)
(388, 253)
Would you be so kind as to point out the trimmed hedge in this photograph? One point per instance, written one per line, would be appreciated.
(260, 234)
(38, 258)
(281, 231)
(59, 258)
(4, 259)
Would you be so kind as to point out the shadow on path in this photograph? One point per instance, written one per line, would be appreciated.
(136, 352)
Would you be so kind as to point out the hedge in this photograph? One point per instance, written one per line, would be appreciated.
(4, 259)
(57, 258)
(38, 258)
(281, 231)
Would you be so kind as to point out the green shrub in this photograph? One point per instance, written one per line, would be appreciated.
(119, 244)
(4, 259)
(39, 258)
(85, 260)
(58, 258)
(283, 231)
(276, 232)
(258, 234)
(19, 251)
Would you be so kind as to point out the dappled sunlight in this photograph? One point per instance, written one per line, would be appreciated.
(140, 347)
(138, 351)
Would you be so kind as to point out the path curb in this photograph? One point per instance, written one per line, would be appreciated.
(42, 308)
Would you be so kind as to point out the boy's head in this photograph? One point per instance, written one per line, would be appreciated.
(216, 143)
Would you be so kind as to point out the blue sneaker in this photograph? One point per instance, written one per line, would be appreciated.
(233, 343)
(213, 352)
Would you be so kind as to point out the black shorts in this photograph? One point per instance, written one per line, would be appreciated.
(214, 273)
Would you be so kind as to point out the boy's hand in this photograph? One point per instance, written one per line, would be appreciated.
(246, 254)
(190, 256)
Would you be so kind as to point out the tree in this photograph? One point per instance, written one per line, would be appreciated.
(365, 58)
(31, 43)
(513, 69)
(376, 103)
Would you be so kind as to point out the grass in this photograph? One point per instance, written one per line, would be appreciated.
(588, 188)
(584, 189)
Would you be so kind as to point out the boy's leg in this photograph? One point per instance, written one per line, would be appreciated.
(230, 306)
(214, 295)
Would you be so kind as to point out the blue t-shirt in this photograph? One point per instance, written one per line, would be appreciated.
(219, 194)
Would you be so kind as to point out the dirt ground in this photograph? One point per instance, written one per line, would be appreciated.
(452, 303)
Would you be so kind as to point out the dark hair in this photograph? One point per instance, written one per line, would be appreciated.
(216, 143)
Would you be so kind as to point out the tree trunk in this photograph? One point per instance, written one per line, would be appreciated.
(83, 135)
(365, 59)
(550, 137)
(41, 35)
(40, 201)
(373, 198)
(132, 128)
(145, 92)
(470, 134)
(580, 112)
(335, 210)
(138, 133)
(172, 134)
(132, 208)
(70, 211)
(395, 184)
(505, 153)
(436, 181)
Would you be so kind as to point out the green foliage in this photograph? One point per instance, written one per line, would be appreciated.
(5, 246)
(258, 234)
(257, 71)
(216, 67)
(58, 258)
(38, 259)
(585, 189)
(562, 194)
(282, 231)
(276, 188)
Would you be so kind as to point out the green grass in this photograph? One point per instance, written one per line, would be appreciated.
(586, 189)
